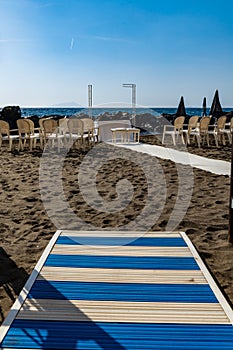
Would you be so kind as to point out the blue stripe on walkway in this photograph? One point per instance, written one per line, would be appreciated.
(117, 336)
(131, 292)
(143, 241)
(122, 262)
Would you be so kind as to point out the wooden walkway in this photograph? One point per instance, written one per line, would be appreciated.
(119, 290)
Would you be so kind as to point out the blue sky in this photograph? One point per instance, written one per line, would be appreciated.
(50, 50)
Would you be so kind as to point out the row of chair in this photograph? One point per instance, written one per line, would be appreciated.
(201, 130)
(64, 133)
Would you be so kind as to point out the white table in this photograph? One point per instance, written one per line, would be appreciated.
(125, 135)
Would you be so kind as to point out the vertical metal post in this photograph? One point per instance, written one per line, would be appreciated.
(230, 231)
(133, 87)
(133, 101)
(90, 100)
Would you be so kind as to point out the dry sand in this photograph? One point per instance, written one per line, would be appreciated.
(26, 228)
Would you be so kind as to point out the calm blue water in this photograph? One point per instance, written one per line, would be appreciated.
(40, 112)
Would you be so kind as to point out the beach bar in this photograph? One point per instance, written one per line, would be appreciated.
(119, 290)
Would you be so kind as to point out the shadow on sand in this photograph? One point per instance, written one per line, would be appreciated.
(12, 278)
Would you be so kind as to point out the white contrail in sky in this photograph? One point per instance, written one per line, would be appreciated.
(107, 38)
(72, 44)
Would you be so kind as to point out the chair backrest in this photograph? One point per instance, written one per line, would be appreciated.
(4, 128)
(63, 125)
(204, 123)
(88, 124)
(75, 126)
(49, 126)
(41, 123)
(31, 126)
(25, 126)
(221, 122)
(193, 121)
(178, 122)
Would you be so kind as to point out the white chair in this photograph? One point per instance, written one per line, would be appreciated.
(5, 134)
(175, 131)
(51, 133)
(218, 131)
(90, 129)
(76, 134)
(228, 131)
(64, 130)
(201, 132)
(192, 126)
(27, 133)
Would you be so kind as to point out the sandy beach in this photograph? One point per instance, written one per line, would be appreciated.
(26, 227)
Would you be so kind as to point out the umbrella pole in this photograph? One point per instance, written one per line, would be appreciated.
(230, 232)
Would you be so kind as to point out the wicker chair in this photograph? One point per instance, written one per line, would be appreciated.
(76, 132)
(27, 133)
(175, 131)
(5, 134)
(201, 132)
(218, 131)
(90, 129)
(228, 131)
(51, 133)
(192, 126)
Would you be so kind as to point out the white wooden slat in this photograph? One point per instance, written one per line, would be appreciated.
(120, 234)
(121, 251)
(121, 276)
(108, 311)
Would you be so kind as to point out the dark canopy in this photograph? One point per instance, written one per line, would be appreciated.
(181, 108)
(216, 108)
(204, 107)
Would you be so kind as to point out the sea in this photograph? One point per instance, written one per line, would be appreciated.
(96, 112)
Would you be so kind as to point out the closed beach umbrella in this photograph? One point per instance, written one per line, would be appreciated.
(181, 108)
(204, 107)
(216, 108)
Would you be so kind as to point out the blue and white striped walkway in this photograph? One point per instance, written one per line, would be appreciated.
(119, 290)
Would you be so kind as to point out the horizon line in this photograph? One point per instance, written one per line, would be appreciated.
(106, 107)
(95, 107)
